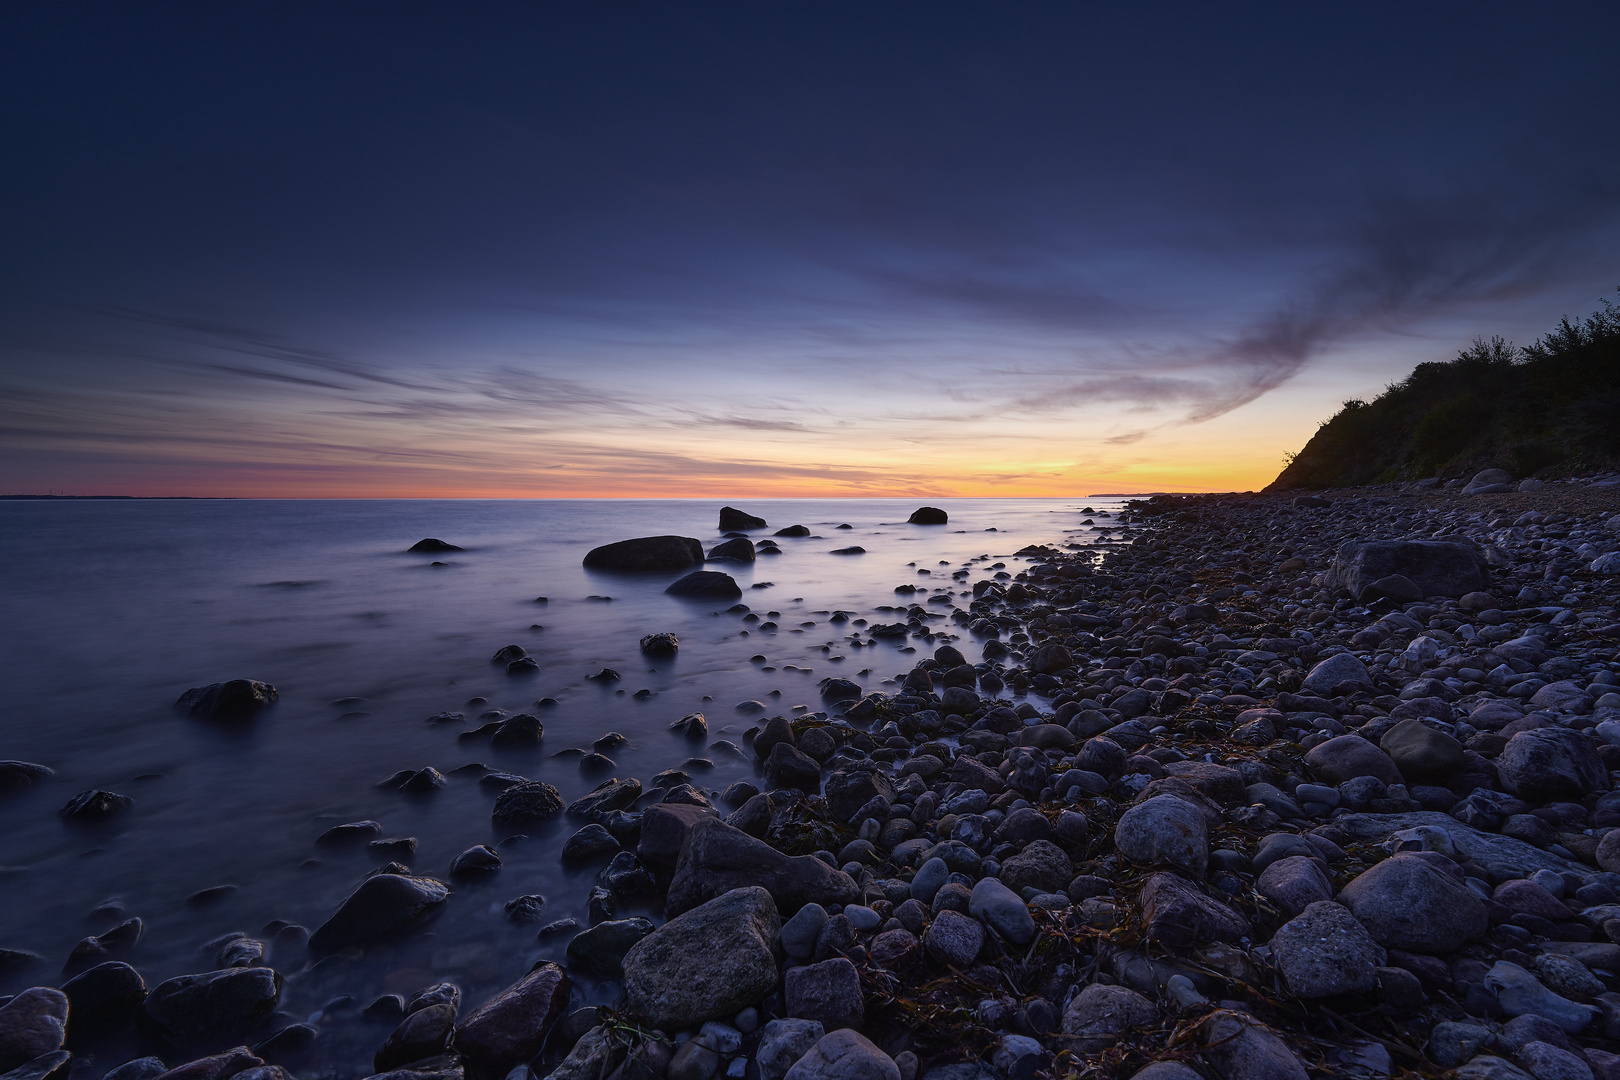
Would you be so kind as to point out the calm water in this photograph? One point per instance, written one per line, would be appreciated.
(112, 609)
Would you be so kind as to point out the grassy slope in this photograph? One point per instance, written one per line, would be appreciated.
(1551, 409)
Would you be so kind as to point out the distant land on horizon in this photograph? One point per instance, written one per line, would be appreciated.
(51, 498)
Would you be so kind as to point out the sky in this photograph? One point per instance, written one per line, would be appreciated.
(768, 249)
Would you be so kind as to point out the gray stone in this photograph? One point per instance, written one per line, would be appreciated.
(1178, 916)
(1337, 670)
(1420, 751)
(1324, 951)
(584, 1061)
(212, 1008)
(44, 1067)
(1098, 1015)
(932, 874)
(844, 1055)
(1436, 567)
(1563, 696)
(239, 699)
(664, 827)
(1003, 910)
(1548, 763)
(1452, 1043)
(1166, 830)
(1405, 903)
(799, 933)
(1042, 865)
(829, 992)
(1487, 849)
(953, 939)
(718, 858)
(1490, 1067)
(423, 1034)
(706, 585)
(1239, 1047)
(601, 801)
(782, 1043)
(1294, 883)
(1349, 756)
(1521, 993)
(511, 1027)
(525, 803)
(707, 963)
(600, 950)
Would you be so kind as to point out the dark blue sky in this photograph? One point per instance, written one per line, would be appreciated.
(532, 249)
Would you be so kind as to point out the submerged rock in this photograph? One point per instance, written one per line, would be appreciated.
(647, 554)
(706, 584)
(239, 699)
(382, 905)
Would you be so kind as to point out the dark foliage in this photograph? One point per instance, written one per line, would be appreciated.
(1550, 409)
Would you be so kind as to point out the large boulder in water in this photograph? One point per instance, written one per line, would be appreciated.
(215, 1008)
(384, 904)
(649, 554)
(706, 585)
(32, 1024)
(1436, 567)
(734, 520)
(238, 699)
(708, 963)
(717, 858)
(431, 546)
(928, 515)
(738, 549)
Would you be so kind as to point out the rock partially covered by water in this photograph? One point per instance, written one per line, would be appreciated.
(1436, 567)
(660, 644)
(17, 775)
(647, 554)
(511, 1027)
(718, 858)
(928, 515)
(739, 549)
(95, 804)
(734, 520)
(706, 963)
(103, 1000)
(214, 1008)
(431, 546)
(239, 699)
(530, 801)
(382, 905)
(706, 584)
(32, 1023)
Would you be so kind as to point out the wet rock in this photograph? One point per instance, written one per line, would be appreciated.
(591, 842)
(953, 940)
(605, 798)
(351, 834)
(511, 1027)
(431, 546)
(740, 549)
(1521, 993)
(526, 909)
(1164, 831)
(32, 1024)
(1294, 883)
(928, 515)
(706, 585)
(734, 520)
(844, 1055)
(660, 644)
(147, 1068)
(828, 992)
(782, 1043)
(601, 949)
(96, 805)
(707, 963)
(1436, 567)
(847, 790)
(212, 1008)
(52, 1066)
(382, 905)
(1550, 763)
(718, 858)
(1325, 951)
(1098, 1015)
(647, 554)
(525, 803)
(524, 729)
(1339, 670)
(664, 827)
(787, 767)
(1420, 751)
(19, 775)
(1239, 1047)
(239, 699)
(476, 862)
(1002, 910)
(103, 1001)
(1405, 903)
(423, 1034)
(1178, 916)
(1349, 756)
(800, 933)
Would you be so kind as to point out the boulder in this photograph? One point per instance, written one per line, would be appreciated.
(601, 949)
(706, 585)
(423, 1034)
(525, 803)
(1294, 883)
(738, 549)
(1098, 1015)
(1406, 903)
(663, 832)
(1563, 696)
(102, 1001)
(215, 1008)
(1003, 910)
(511, 1027)
(239, 699)
(844, 1055)
(18, 775)
(431, 546)
(1349, 756)
(953, 940)
(734, 520)
(847, 790)
(1521, 993)
(647, 554)
(1324, 951)
(1166, 830)
(1420, 751)
(1436, 567)
(605, 798)
(718, 858)
(1239, 1047)
(1549, 763)
(382, 905)
(787, 767)
(1042, 865)
(828, 992)
(31, 1024)
(1489, 482)
(705, 964)
(784, 1042)
(928, 515)
(1338, 670)
(1176, 915)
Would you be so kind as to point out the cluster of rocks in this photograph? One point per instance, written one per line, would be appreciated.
(1293, 787)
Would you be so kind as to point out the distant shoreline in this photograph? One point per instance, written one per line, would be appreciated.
(143, 498)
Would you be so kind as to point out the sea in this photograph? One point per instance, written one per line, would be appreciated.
(110, 610)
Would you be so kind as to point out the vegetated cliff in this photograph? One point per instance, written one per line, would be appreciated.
(1551, 409)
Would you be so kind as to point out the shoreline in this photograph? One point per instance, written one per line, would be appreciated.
(1181, 670)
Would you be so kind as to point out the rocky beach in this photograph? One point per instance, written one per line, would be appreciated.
(1244, 786)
